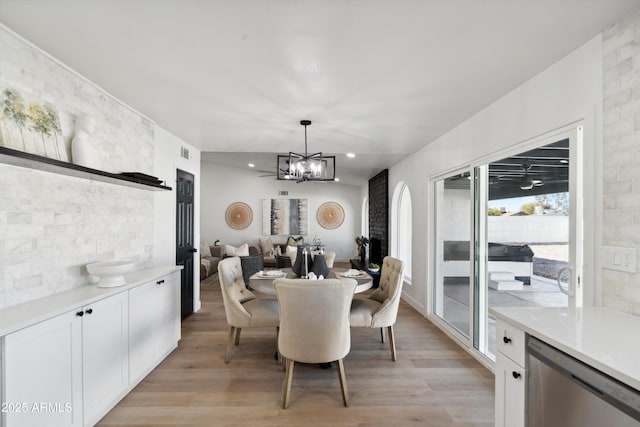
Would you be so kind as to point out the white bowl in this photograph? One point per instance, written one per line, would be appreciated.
(110, 273)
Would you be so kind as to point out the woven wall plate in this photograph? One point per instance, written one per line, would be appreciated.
(330, 215)
(238, 215)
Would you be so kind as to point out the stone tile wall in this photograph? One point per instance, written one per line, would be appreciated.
(621, 147)
(51, 225)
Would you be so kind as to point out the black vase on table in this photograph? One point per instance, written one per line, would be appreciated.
(363, 257)
(320, 266)
(304, 262)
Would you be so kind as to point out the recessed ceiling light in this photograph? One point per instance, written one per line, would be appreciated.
(251, 165)
(351, 155)
(336, 179)
(565, 161)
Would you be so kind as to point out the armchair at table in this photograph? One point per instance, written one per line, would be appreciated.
(241, 307)
(314, 325)
(380, 309)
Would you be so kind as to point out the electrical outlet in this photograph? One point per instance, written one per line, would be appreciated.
(621, 259)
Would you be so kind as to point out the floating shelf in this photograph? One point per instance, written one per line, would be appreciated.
(33, 161)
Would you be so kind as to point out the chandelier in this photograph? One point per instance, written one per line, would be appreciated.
(300, 168)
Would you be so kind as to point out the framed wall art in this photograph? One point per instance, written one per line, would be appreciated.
(285, 217)
(31, 126)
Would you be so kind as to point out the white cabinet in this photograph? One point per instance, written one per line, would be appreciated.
(105, 355)
(154, 323)
(70, 369)
(42, 372)
(511, 376)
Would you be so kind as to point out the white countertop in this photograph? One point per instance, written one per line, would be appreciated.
(29, 313)
(606, 339)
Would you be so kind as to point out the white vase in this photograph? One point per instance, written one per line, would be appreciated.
(82, 153)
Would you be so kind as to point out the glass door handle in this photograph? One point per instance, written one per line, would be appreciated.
(569, 289)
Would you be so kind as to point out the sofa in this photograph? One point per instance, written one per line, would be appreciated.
(210, 256)
(270, 250)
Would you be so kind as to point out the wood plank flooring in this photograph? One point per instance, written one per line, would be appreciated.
(433, 382)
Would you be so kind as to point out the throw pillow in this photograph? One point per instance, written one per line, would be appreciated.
(295, 241)
(242, 250)
(292, 252)
(205, 250)
(266, 245)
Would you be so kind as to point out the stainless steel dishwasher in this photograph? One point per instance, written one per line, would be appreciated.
(565, 392)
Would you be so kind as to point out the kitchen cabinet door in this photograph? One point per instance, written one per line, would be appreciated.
(169, 310)
(142, 340)
(154, 323)
(42, 372)
(510, 393)
(105, 340)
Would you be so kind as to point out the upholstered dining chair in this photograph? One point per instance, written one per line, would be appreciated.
(242, 308)
(380, 309)
(314, 325)
(329, 257)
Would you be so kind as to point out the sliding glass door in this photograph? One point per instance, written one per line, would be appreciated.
(452, 290)
(508, 233)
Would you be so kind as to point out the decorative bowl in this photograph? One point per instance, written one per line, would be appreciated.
(110, 273)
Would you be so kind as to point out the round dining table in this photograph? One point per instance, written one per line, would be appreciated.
(263, 282)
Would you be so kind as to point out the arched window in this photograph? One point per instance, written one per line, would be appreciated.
(401, 235)
(365, 217)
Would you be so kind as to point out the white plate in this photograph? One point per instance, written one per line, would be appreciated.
(270, 276)
(352, 276)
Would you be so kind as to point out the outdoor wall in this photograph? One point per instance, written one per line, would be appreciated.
(568, 91)
(51, 225)
(621, 129)
(223, 185)
(528, 229)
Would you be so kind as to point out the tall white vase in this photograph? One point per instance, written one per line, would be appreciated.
(82, 150)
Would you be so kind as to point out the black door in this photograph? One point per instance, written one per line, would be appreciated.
(184, 238)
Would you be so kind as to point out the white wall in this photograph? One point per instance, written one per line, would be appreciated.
(528, 229)
(566, 92)
(167, 160)
(223, 185)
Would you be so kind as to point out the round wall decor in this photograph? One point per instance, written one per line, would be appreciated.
(330, 215)
(238, 215)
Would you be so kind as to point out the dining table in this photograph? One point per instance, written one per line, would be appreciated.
(262, 281)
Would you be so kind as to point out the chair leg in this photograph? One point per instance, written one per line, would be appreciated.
(343, 383)
(238, 335)
(227, 353)
(392, 343)
(286, 387)
(382, 335)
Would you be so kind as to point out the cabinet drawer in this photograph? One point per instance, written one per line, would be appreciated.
(510, 342)
(511, 385)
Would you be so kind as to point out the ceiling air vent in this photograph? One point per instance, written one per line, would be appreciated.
(184, 152)
(283, 193)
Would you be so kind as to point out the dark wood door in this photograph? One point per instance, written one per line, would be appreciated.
(185, 248)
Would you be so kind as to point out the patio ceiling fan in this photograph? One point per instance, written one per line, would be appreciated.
(526, 182)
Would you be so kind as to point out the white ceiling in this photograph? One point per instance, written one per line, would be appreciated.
(377, 78)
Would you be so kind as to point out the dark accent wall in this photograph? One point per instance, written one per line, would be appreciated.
(379, 216)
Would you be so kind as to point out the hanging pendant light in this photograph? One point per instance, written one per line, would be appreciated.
(300, 168)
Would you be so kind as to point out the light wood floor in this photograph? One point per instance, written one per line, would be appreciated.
(433, 382)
